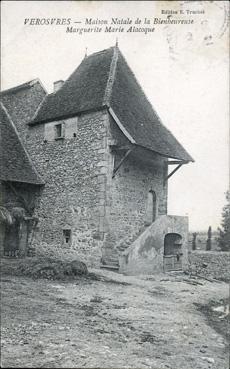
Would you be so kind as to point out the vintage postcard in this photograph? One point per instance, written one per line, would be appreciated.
(114, 184)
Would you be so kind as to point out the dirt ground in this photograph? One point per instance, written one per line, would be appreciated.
(121, 322)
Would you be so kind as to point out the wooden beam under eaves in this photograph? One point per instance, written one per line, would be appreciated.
(174, 170)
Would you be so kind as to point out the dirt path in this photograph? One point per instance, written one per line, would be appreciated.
(129, 323)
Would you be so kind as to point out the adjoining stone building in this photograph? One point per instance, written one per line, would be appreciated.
(20, 183)
(101, 155)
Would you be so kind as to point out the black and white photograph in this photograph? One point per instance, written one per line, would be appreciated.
(114, 184)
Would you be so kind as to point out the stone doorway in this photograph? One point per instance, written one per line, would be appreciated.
(172, 252)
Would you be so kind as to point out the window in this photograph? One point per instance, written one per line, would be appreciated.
(67, 236)
(59, 131)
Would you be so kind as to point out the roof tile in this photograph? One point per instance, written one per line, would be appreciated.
(15, 164)
(105, 78)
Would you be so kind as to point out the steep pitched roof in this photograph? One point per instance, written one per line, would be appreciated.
(15, 164)
(84, 90)
(104, 79)
(22, 101)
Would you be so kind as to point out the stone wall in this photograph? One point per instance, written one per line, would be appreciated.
(80, 198)
(73, 169)
(127, 193)
(145, 255)
(212, 264)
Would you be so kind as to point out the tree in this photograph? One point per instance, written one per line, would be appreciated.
(209, 240)
(224, 236)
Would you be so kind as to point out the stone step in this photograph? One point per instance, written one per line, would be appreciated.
(109, 267)
(110, 262)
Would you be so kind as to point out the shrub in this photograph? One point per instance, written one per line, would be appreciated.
(224, 236)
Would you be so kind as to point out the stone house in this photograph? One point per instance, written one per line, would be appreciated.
(20, 183)
(102, 156)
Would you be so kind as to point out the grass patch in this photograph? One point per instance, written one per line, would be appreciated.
(52, 269)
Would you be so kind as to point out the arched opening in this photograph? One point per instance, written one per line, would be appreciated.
(172, 252)
(151, 207)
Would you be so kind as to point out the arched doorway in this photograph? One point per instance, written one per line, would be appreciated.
(172, 252)
(151, 207)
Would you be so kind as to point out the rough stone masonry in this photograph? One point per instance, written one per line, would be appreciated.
(94, 157)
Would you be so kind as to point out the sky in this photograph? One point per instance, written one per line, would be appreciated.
(182, 68)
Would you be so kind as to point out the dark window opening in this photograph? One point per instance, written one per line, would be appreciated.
(58, 130)
(67, 236)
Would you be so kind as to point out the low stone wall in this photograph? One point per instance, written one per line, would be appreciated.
(210, 264)
(145, 254)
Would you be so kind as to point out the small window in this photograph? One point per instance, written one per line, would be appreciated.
(59, 130)
(67, 236)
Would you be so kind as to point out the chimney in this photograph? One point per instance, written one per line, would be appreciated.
(58, 85)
